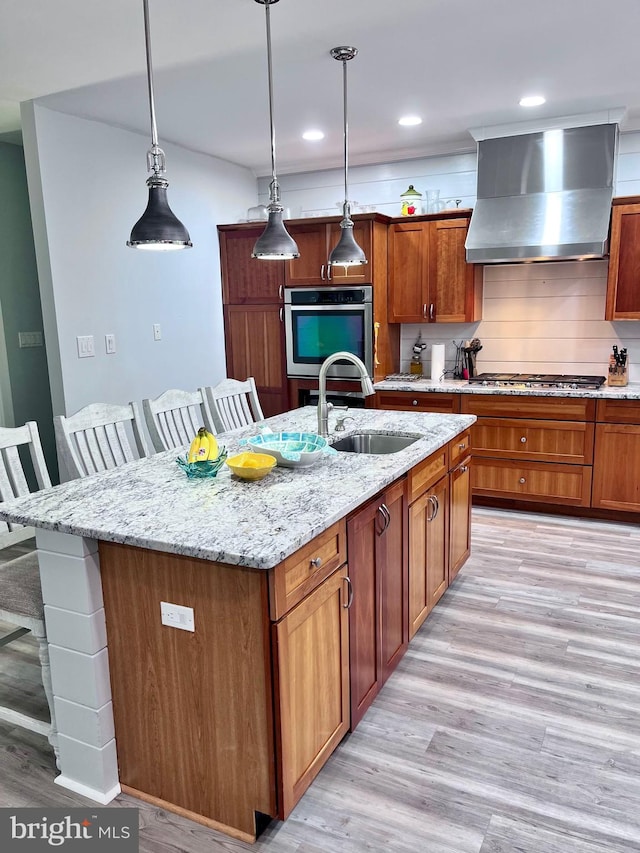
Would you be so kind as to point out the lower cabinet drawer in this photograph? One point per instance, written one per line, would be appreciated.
(532, 481)
(300, 573)
(421, 401)
(533, 440)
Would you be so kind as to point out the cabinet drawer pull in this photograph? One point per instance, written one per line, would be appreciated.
(322, 272)
(349, 593)
(316, 562)
(386, 518)
(414, 402)
(524, 439)
(282, 315)
(463, 468)
(522, 480)
(424, 311)
(280, 292)
(431, 311)
(462, 446)
(329, 272)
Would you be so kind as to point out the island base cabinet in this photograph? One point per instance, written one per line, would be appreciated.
(460, 517)
(377, 545)
(428, 552)
(311, 675)
(192, 709)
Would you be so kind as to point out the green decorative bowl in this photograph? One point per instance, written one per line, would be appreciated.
(202, 470)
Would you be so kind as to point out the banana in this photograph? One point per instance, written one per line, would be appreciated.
(203, 448)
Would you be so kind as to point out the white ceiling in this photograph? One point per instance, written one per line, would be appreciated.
(459, 64)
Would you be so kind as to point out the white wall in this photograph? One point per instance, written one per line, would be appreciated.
(537, 317)
(87, 189)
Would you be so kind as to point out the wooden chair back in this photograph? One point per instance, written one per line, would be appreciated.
(95, 438)
(174, 417)
(234, 404)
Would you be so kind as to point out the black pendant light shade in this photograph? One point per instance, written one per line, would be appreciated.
(158, 228)
(347, 253)
(275, 243)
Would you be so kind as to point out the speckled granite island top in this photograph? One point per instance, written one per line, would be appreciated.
(462, 386)
(152, 504)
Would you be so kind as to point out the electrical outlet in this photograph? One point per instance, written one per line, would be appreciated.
(110, 343)
(177, 616)
(85, 346)
(157, 332)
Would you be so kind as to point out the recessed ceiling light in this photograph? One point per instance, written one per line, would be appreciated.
(532, 101)
(313, 135)
(409, 121)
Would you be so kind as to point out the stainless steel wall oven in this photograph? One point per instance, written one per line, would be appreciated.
(322, 320)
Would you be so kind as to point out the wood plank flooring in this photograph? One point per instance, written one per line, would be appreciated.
(512, 725)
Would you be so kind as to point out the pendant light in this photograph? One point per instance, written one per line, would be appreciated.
(275, 243)
(158, 228)
(347, 253)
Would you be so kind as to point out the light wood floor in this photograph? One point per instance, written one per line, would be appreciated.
(512, 725)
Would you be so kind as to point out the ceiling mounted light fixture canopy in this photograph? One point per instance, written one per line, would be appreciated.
(275, 243)
(158, 228)
(347, 253)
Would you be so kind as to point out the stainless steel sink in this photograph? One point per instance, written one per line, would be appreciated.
(374, 443)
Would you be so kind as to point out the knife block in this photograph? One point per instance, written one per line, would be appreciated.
(618, 374)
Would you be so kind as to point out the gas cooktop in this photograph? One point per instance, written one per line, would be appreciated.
(538, 380)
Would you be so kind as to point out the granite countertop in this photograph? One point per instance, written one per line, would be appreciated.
(462, 386)
(151, 503)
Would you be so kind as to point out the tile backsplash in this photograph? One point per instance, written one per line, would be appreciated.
(543, 317)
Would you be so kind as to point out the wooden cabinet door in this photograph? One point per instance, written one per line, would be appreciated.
(459, 517)
(311, 664)
(311, 266)
(452, 281)
(623, 294)
(246, 280)
(361, 274)
(394, 593)
(408, 272)
(616, 467)
(428, 552)
(378, 617)
(363, 531)
(254, 342)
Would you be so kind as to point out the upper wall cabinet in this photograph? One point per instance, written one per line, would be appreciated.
(623, 288)
(246, 280)
(429, 278)
(316, 241)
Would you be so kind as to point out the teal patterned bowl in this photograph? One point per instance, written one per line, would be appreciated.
(291, 449)
(202, 470)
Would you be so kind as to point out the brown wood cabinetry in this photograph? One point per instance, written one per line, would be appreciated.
(459, 516)
(405, 401)
(316, 240)
(378, 622)
(253, 295)
(623, 293)
(429, 278)
(532, 448)
(616, 465)
(311, 663)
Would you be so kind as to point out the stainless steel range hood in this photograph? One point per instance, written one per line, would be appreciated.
(544, 196)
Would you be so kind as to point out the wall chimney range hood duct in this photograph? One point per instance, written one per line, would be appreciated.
(544, 196)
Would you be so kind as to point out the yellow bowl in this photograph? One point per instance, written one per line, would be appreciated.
(251, 466)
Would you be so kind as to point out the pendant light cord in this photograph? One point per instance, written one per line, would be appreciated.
(346, 211)
(274, 188)
(155, 156)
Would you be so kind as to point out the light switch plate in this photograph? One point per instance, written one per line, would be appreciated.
(157, 332)
(177, 616)
(110, 344)
(85, 346)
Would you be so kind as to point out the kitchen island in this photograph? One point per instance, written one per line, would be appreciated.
(233, 714)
